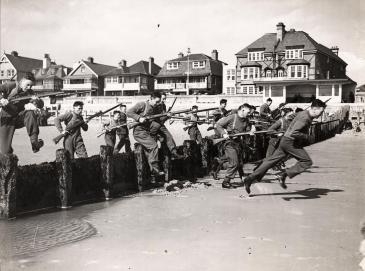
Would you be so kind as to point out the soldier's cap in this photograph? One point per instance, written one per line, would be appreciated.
(318, 103)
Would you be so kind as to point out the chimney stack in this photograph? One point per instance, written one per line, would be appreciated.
(150, 64)
(123, 63)
(90, 59)
(334, 50)
(46, 61)
(14, 53)
(280, 31)
(215, 54)
(180, 55)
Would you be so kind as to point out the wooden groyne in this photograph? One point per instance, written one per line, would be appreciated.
(67, 182)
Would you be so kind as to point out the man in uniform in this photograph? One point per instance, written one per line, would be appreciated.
(230, 125)
(159, 129)
(142, 133)
(292, 143)
(15, 115)
(73, 142)
(112, 132)
(192, 127)
(276, 113)
(123, 132)
(265, 111)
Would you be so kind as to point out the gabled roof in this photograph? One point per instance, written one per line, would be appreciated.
(141, 67)
(41, 73)
(214, 67)
(269, 43)
(24, 64)
(98, 68)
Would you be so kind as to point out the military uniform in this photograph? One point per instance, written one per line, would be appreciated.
(142, 133)
(15, 116)
(233, 147)
(292, 143)
(73, 142)
(193, 129)
(265, 111)
(121, 132)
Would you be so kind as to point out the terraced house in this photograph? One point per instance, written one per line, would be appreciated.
(137, 79)
(87, 77)
(50, 76)
(191, 74)
(290, 66)
(14, 67)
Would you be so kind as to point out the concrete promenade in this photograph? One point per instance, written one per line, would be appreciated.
(313, 225)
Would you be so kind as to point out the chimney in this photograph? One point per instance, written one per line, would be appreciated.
(46, 61)
(280, 31)
(123, 63)
(90, 59)
(334, 50)
(215, 54)
(150, 64)
(180, 55)
(14, 53)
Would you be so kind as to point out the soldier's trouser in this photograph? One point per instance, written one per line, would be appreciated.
(123, 141)
(232, 155)
(143, 137)
(273, 145)
(9, 124)
(286, 147)
(195, 134)
(75, 144)
(110, 139)
(170, 142)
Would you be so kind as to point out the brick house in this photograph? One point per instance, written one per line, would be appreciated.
(290, 66)
(87, 77)
(137, 79)
(14, 67)
(193, 73)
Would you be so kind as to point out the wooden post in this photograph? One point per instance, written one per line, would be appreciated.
(107, 170)
(143, 171)
(8, 173)
(166, 162)
(189, 165)
(64, 170)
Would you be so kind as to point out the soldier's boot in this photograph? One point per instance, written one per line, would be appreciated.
(226, 183)
(281, 178)
(37, 145)
(216, 167)
(247, 183)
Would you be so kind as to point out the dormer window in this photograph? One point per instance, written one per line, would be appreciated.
(294, 54)
(172, 65)
(198, 64)
(256, 56)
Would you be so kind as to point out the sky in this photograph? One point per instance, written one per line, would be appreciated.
(111, 30)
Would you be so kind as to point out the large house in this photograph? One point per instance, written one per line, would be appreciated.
(50, 76)
(193, 73)
(229, 80)
(14, 67)
(137, 79)
(290, 66)
(87, 77)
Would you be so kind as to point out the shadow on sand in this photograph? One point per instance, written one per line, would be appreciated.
(309, 193)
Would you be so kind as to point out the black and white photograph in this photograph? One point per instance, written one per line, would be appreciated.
(182, 135)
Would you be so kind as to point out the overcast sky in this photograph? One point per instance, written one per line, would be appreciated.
(111, 30)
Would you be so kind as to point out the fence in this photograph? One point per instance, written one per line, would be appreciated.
(66, 182)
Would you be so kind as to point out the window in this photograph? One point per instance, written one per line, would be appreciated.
(268, 73)
(305, 71)
(256, 56)
(299, 71)
(249, 90)
(198, 64)
(172, 65)
(267, 91)
(107, 79)
(277, 91)
(82, 69)
(294, 54)
(292, 71)
(280, 73)
(245, 73)
(2, 72)
(9, 72)
(325, 90)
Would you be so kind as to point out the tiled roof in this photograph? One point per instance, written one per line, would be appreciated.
(98, 68)
(298, 61)
(214, 67)
(141, 67)
(268, 43)
(24, 64)
(251, 64)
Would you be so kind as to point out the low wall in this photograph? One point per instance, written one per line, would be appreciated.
(66, 182)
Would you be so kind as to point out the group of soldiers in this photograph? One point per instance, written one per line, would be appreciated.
(289, 131)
